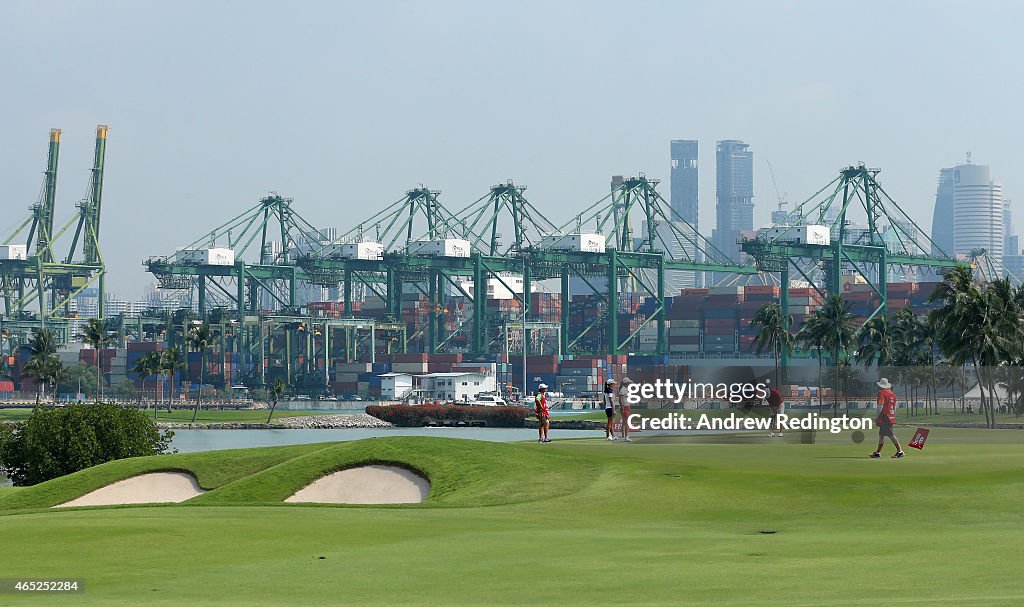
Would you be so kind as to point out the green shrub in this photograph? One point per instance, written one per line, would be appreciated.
(55, 442)
(418, 415)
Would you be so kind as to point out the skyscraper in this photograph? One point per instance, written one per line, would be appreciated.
(1011, 242)
(734, 189)
(685, 207)
(977, 212)
(684, 181)
(942, 219)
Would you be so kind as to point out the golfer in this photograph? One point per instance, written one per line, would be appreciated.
(886, 419)
(540, 403)
(775, 403)
(624, 407)
(609, 409)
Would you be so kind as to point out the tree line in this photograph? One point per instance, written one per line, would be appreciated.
(974, 325)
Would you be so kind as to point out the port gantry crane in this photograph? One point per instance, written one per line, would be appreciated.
(32, 272)
(405, 260)
(889, 240)
(385, 256)
(667, 242)
(268, 323)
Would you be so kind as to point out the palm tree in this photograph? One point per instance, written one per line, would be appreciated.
(95, 334)
(276, 390)
(46, 369)
(773, 333)
(43, 343)
(171, 363)
(911, 338)
(810, 337)
(875, 343)
(977, 325)
(147, 365)
(200, 338)
(950, 376)
(843, 374)
(43, 363)
(834, 329)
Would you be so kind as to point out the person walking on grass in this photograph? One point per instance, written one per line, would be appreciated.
(624, 408)
(540, 403)
(886, 419)
(775, 403)
(609, 409)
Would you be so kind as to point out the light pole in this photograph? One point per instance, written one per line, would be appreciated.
(526, 308)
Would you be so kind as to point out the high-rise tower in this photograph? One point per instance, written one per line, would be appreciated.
(977, 211)
(734, 189)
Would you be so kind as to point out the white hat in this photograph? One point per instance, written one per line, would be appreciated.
(884, 383)
(542, 387)
(626, 380)
(610, 381)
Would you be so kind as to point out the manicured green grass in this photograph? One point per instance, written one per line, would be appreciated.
(662, 521)
(14, 415)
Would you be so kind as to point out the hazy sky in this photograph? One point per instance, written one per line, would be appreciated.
(345, 105)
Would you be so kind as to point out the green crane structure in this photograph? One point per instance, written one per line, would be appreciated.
(535, 251)
(668, 242)
(532, 253)
(37, 283)
(890, 239)
(266, 321)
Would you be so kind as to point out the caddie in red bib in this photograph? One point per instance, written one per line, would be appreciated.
(886, 419)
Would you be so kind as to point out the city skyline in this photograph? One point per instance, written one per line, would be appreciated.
(206, 118)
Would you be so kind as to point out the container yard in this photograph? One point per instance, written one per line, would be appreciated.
(390, 304)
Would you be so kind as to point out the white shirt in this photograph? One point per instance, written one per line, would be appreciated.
(609, 398)
(623, 396)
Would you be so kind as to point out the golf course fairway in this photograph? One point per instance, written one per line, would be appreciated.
(661, 521)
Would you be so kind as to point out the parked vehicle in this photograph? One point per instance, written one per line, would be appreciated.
(489, 400)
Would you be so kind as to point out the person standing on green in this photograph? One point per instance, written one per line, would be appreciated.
(886, 419)
(540, 403)
(609, 409)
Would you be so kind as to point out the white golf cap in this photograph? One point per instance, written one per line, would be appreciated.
(610, 381)
(884, 383)
(542, 387)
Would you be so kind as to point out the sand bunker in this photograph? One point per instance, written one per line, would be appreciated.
(152, 488)
(366, 485)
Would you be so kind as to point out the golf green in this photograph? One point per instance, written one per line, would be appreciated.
(659, 521)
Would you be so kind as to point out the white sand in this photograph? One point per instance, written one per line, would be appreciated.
(366, 485)
(155, 487)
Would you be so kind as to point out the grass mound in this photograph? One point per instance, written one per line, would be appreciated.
(212, 469)
(461, 472)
